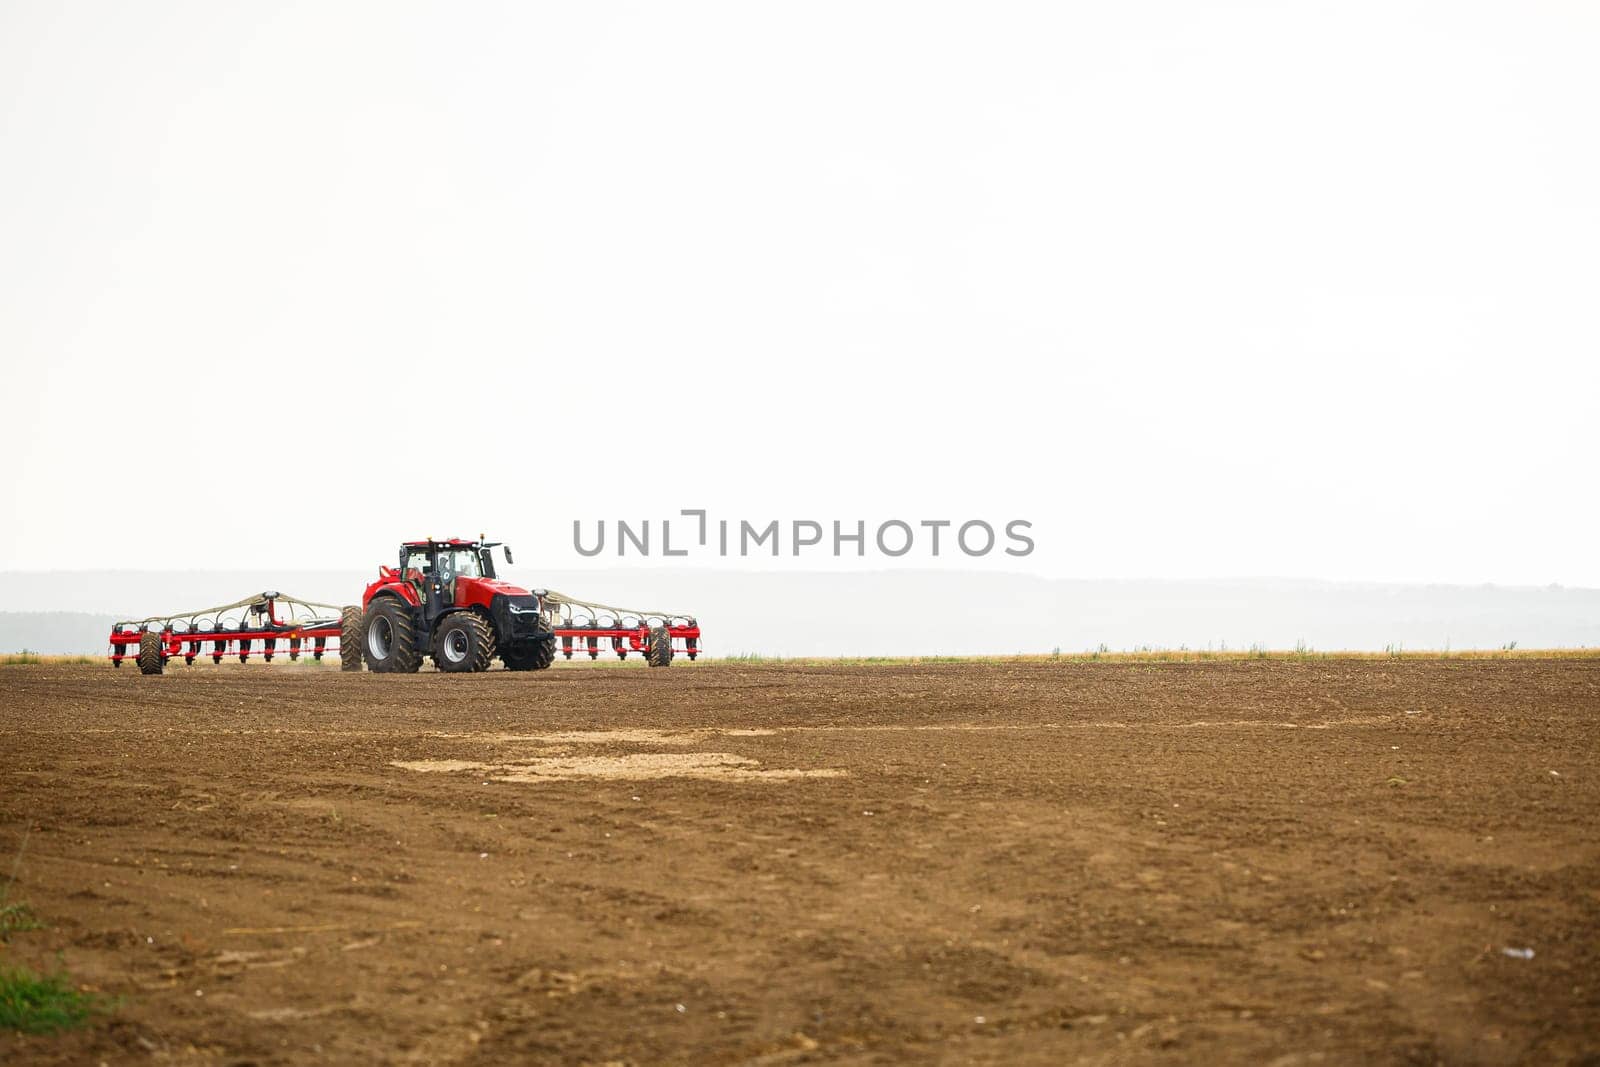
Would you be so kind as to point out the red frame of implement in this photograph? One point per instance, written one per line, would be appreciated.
(622, 640)
(238, 642)
(226, 643)
(192, 644)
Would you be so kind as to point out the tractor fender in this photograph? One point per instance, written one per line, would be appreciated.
(402, 591)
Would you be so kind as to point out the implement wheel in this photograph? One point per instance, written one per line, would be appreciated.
(535, 655)
(150, 659)
(390, 632)
(462, 642)
(658, 651)
(350, 637)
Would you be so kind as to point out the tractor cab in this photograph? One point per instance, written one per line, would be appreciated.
(471, 559)
(432, 567)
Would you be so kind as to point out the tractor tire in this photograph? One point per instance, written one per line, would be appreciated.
(149, 660)
(658, 651)
(463, 642)
(535, 655)
(389, 637)
(351, 635)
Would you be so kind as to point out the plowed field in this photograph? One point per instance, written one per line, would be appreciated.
(1271, 861)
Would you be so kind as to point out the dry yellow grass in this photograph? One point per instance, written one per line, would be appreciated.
(1176, 656)
(25, 659)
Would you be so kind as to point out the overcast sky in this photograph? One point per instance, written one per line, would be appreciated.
(1198, 289)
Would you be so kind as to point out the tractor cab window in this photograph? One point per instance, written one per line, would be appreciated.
(417, 565)
(459, 563)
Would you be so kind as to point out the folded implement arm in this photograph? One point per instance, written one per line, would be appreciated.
(253, 626)
(586, 626)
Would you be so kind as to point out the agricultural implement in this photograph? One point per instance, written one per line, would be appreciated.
(586, 627)
(256, 625)
(442, 600)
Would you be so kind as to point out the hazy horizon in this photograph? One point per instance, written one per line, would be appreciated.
(912, 612)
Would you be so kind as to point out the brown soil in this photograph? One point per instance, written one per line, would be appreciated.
(1263, 861)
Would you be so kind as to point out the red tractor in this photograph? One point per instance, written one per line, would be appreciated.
(441, 600)
(444, 600)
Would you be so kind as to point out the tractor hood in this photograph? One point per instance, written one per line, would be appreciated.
(491, 586)
(494, 596)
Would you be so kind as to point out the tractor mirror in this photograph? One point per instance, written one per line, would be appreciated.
(508, 554)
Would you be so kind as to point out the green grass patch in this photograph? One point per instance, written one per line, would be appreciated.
(17, 917)
(42, 1003)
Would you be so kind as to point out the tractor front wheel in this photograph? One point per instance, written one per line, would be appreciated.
(535, 655)
(390, 632)
(150, 658)
(462, 642)
(350, 638)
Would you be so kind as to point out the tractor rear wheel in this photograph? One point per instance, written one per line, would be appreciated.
(350, 638)
(462, 642)
(535, 655)
(150, 661)
(390, 637)
(658, 652)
